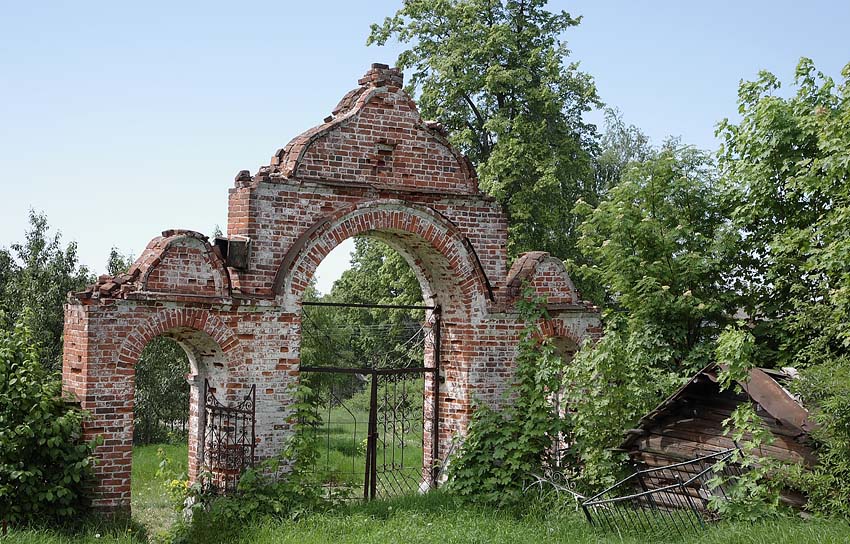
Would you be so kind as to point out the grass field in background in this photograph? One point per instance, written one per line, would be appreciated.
(424, 519)
(342, 436)
(152, 507)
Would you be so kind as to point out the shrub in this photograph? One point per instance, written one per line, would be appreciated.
(609, 387)
(826, 389)
(504, 448)
(43, 462)
(284, 487)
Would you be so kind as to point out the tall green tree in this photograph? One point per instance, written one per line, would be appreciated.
(787, 168)
(495, 74)
(37, 274)
(118, 263)
(378, 274)
(161, 398)
(659, 246)
(786, 164)
(619, 146)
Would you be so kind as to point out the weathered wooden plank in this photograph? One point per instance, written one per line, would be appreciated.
(700, 436)
(690, 448)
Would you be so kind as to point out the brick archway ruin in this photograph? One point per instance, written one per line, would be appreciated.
(373, 168)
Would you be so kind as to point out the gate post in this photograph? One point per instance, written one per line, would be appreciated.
(370, 486)
(435, 436)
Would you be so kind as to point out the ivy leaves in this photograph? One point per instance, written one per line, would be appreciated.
(503, 448)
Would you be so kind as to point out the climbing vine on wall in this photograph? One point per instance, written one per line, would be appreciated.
(503, 448)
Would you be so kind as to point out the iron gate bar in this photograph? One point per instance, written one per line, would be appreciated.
(676, 499)
(369, 305)
(435, 415)
(372, 463)
(366, 370)
(225, 431)
(370, 483)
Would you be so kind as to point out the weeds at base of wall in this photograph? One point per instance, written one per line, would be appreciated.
(285, 487)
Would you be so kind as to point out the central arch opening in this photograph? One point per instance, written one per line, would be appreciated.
(368, 356)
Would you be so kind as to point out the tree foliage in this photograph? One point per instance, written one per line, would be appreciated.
(786, 166)
(365, 336)
(609, 387)
(658, 246)
(161, 399)
(619, 146)
(44, 463)
(494, 73)
(37, 275)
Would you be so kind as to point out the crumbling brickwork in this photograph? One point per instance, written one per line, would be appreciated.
(373, 168)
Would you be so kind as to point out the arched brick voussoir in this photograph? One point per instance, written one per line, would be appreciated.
(182, 262)
(574, 331)
(545, 274)
(387, 217)
(174, 323)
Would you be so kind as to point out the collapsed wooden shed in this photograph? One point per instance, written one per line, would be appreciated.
(689, 425)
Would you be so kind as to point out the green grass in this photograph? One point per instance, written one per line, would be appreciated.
(433, 518)
(438, 519)
(152, 507)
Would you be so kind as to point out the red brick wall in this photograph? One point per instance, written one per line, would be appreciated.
(185, 268)
(374, 168)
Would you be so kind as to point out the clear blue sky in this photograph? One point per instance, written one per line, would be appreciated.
(120, 119)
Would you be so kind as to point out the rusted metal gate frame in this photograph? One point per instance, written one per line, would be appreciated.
(370, 477)
(228, 448)
(620, 508)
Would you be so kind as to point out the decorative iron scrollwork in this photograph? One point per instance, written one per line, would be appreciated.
(229, 439)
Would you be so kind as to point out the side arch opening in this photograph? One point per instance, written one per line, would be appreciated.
(170, 370)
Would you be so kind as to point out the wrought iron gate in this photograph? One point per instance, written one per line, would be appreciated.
(229, 439)
(371, 418)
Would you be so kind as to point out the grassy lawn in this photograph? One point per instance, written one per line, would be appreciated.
(437, 519)
(152, 507)
(342, 442)
(432, 518)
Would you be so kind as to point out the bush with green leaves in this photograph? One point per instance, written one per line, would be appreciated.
(287, 486)
(609, 386)
(826, 388)
(44, 463)
(503, 448)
